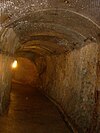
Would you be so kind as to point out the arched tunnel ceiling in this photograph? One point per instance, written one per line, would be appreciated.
(52, 26)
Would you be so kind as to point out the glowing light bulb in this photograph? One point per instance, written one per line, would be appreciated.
(14, 64)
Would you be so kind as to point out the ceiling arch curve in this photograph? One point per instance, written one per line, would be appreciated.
(54, 27)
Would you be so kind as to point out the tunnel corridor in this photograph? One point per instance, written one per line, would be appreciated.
(31, 112)
(55, 87)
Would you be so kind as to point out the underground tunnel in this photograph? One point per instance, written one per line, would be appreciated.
(54, 85)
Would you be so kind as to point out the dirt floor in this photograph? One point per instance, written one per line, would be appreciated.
(31, 112)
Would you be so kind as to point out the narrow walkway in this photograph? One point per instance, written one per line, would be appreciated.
(31, 112)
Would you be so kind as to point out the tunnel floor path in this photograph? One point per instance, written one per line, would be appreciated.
(31, 112)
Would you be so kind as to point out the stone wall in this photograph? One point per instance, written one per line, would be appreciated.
(71, 81)
(8, 45)
(5, 81)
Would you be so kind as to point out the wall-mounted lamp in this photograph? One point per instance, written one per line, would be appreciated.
(14, 64)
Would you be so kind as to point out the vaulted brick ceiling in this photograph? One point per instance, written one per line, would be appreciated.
(52, 26)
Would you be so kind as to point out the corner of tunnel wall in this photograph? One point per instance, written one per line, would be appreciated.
(71, 81)
(97, 108)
